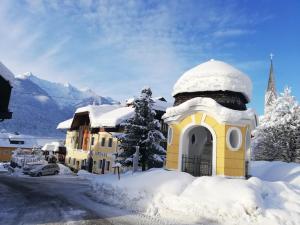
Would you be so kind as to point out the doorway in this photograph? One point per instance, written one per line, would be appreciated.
(197, 152)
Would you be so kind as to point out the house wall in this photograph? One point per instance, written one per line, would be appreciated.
(6, 153)
(78, 156)
(95, 149)
(104, 152)
(227, 162)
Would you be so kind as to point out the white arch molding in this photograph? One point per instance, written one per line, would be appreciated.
(183, 142)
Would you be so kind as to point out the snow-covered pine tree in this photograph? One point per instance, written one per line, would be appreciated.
(276, 136)
(143, 130)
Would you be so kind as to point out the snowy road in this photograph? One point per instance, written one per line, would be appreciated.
(57, 200)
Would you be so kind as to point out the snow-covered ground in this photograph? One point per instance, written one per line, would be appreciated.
(271, 196)
(18, 172)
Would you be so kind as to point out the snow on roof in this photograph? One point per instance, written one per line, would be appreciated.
(52, 146)
(221, 113)
(214, 76)
(95, 111)
(17, 141)
(115, 117)
(158, 105)
(109, 115)
(65, 124)
(6, 73)
(130, 101)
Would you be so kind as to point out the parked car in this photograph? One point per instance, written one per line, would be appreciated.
(48, 169)
(28, 167)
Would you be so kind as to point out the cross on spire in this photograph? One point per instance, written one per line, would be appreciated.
(271, 56)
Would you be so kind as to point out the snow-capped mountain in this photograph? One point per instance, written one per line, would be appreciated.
(39, 105)
(66, 95)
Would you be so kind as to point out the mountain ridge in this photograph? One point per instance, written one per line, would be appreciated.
(39, 105)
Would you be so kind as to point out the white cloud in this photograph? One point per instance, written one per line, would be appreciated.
(114, 47)
(232, 33)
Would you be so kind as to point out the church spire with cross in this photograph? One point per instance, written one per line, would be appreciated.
(271, 93)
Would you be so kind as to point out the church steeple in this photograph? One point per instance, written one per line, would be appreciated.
(271, 93)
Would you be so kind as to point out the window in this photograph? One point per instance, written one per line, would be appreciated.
(107, 165)
(95, 163)
(74, 161)
(110, 142)
(69, 160)
(234, 138)
(93, 140)
(16, 142)
(170, 135)
(103, 142)
(100, 164)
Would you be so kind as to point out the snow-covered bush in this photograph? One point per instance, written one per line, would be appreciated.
(143, 130)
(277, 135)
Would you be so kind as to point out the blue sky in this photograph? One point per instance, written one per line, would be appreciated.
(117, 47)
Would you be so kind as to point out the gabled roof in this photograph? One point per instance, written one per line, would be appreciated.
(109, 115)
(8, 139)
(115, 117)
(101, 115)
(65, 124)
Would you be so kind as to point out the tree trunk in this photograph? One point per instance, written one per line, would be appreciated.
(143, 166)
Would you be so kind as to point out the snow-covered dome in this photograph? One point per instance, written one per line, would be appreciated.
(214, 75)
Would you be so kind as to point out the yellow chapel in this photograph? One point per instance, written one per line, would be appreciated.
(209, 125)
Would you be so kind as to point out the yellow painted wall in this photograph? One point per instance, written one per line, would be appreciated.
(228, 163)
(74, 153)
(99, 152)
(104, 152)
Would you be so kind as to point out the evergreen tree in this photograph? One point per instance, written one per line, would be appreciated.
(276, 136)
(143, 130)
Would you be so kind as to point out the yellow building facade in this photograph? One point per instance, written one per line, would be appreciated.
(98, 157)
(91, 139)
(207, 135)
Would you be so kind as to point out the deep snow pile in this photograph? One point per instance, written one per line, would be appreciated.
(64, 170)
(276, 171)
(180, 198)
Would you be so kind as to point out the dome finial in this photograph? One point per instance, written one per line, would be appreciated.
(211, 60)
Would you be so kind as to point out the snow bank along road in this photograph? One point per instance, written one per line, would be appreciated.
(57, 200)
